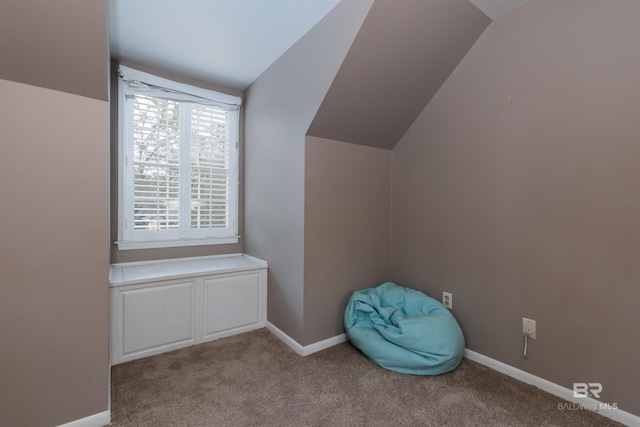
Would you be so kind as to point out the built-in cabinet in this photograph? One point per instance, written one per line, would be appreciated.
(160, 306)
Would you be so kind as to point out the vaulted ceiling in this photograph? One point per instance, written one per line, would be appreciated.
(403, 53)
(495, 8)
(399, 59)
(227, 42)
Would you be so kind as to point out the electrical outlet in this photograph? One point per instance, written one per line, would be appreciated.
(447, 300)
(529, 328)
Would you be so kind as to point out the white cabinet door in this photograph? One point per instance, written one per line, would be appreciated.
(231, 302)
(158, 316)
(149, 319)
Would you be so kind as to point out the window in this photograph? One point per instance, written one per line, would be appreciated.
(178, 163)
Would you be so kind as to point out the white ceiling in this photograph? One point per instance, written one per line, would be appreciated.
(227, 42)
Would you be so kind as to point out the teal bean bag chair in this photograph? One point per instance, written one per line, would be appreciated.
(404, 330)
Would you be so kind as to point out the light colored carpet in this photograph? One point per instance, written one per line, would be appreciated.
(254, 379)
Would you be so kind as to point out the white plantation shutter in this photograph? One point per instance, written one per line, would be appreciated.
(210, 167)
(156, 163)
(179, 166)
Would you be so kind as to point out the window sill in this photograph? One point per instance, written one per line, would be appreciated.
(155, 244)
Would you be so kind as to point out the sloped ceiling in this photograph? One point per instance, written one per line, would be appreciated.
(39, 45)
(495, 8)
(226, 42)
(248, 35)
(404, 52)
(398, 61)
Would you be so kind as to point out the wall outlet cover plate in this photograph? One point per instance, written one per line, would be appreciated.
(529, 328)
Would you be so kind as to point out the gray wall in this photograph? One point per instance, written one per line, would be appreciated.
(165, 253)
(54, 187)
(346, 229)
(516, 189)
(59, 45)
(279, 107)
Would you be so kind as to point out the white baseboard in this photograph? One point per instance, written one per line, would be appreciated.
(608, 410)
(285, 338)
(96, 420)
(309, 349)
(324, 344)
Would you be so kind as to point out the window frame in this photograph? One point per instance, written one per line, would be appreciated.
(128, 237)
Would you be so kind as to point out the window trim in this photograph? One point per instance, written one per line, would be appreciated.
(156, 244)
(147, 84)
